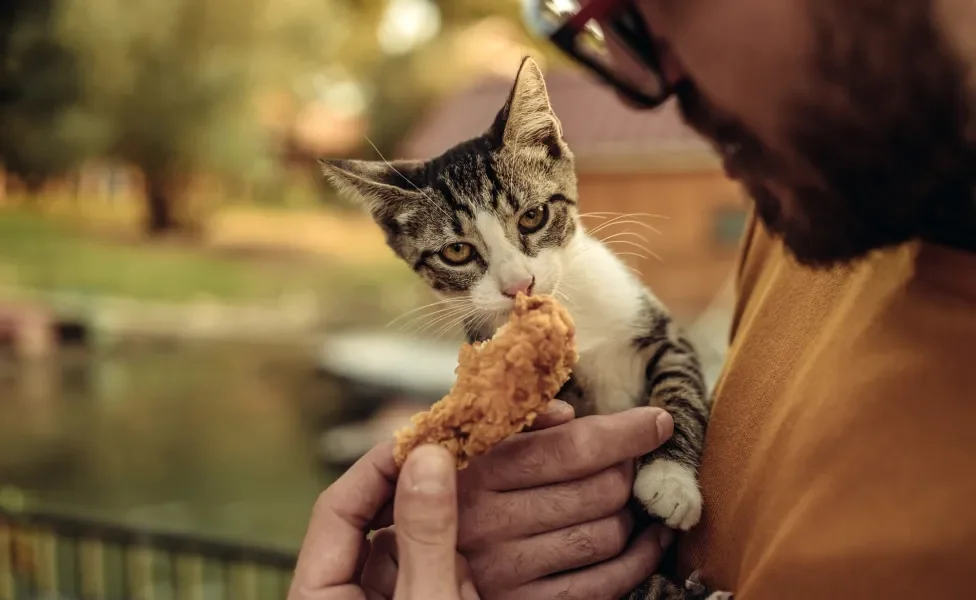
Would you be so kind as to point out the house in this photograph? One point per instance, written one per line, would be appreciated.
(628, 162)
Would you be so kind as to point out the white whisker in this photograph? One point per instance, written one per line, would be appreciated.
(628, 222)
(622, 221)
(622, 234)
(452, 324)
(645, 249)
(412, 184)
(631, 254)
(564, 297)
(620, 214)
(629, 243)
(484, 319)
(458, 314)
(563, 283)
(432, 304)
(451, 310)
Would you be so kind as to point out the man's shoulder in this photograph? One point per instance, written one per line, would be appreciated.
(868, 451)
(842, 431)
(901, 332)
(913, 318)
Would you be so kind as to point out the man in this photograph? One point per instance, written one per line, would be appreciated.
(838, 456)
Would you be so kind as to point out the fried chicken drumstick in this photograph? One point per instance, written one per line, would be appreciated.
(502, 383)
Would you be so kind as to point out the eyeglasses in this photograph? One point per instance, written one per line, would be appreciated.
(576, 30)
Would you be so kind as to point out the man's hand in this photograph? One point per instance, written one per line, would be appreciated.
(543, 515)
(425, 510)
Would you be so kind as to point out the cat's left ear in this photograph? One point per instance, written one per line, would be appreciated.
(527, 119)
(384, 189)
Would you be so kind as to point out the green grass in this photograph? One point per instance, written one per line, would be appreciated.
(46, 254)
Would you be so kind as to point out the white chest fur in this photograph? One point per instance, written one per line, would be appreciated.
(608, 305)
(613, 377)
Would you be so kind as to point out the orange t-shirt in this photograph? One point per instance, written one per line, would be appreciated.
(840, 459)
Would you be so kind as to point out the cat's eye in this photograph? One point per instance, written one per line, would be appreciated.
(533, 219)
(457, 253)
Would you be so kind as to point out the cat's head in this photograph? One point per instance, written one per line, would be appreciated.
(488, 217)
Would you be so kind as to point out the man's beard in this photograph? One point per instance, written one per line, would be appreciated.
(890, 166)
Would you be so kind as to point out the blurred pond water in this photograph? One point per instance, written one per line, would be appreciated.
(215, 440)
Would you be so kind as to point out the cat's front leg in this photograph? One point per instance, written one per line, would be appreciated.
(669, 489)
(667, 479)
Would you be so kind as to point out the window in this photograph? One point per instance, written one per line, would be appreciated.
(728, 224)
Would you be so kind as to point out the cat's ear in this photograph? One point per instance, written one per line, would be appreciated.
(527, 119)
(381, 188)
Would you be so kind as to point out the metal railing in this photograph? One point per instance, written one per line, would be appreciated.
(46, 556)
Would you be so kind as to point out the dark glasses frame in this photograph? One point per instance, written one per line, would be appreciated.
(631, 29)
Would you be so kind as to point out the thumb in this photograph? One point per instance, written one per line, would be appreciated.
(425, 512)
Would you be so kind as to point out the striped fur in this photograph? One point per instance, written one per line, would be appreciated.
(479, 194)
(659, 588)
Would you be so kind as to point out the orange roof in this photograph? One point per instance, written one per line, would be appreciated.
(596, 124)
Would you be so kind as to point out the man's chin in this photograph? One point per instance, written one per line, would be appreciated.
(822, 253)
(820, 240)
(825, 245)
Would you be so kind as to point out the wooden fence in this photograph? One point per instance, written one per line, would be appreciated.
(46, 556)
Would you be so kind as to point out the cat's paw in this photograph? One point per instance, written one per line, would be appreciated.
(695, 589)
(669, 490)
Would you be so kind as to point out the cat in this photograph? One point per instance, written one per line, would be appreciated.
(497, 215)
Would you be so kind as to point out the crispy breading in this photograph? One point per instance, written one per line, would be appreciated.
(501, 384)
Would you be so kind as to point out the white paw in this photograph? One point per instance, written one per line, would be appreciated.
(670, 490)
(721, 596)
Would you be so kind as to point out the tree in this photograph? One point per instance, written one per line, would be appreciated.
(39, 83)
(173, 86)
(408, 84)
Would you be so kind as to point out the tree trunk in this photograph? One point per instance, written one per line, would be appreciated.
(159, 214)
(169, 206)
(34, 186)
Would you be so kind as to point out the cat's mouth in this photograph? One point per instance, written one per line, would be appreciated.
(509, 301)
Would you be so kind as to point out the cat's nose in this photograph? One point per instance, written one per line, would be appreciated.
(524, 286)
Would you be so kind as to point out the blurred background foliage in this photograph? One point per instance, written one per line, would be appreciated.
(196, 333)
(172, 264)
(217, 88)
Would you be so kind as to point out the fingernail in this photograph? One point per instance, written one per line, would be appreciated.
(468, 591)
(665, 425)
(665, 539)
(429, 470)
(558, 406)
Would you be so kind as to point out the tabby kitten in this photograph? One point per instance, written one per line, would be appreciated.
(498, 214)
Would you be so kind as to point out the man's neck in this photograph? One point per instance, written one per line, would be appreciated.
(957, 22)
(955, 227)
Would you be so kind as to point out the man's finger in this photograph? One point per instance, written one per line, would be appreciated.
(336, 532)
(554, 552)
(380, 573)
(466, 586)
(573, 450)
(610, 580)
(383, 518)
(515, 515)
(426, 516)
(557, 413)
